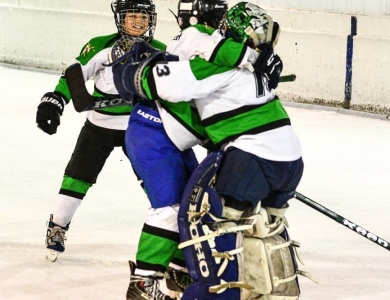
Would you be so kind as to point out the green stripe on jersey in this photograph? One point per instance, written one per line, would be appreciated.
(203, 69)
(229, 53)
(204, 29)
(246, 120)
(94, 46)
(187, 116)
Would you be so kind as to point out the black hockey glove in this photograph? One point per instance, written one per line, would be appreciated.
(269, 64)
(49, 111)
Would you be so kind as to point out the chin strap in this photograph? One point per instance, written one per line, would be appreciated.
(176, 17)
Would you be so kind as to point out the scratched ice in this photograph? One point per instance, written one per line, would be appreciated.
(347, 169)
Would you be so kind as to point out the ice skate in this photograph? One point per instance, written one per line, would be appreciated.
(144, 287)
(177, 280)
(55, 239)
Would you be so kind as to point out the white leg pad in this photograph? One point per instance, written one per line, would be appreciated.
(269, 268)
(270, 222)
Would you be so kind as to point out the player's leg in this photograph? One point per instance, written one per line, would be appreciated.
(215, 247)
(93, 146)
(211, 245)
(267, 245)
(163, 171)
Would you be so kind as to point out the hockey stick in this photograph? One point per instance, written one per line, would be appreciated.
(339, 219)
(82, 99)
(287, 78)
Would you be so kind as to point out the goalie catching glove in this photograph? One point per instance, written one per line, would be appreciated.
(49, 111)
(130, 60)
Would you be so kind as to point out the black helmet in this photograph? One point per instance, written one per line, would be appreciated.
(121, 7)
(192, 12)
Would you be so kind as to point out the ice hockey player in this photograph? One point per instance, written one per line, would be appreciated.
(104, 129)
(234, 248)
(172, 130)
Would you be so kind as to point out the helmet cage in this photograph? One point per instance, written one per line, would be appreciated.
(249, 22)
(121, 8)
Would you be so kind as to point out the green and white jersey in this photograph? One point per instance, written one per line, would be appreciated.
(92, 58)
(235, 106)
(211, 45)
(181, 121)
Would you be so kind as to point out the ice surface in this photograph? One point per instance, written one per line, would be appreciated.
(347, 169)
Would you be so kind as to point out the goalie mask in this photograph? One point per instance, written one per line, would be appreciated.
(208, 12)
(248, 22)
(125, 9)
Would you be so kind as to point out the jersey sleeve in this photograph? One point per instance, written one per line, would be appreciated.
(158, 45)
(91, 58)
(184, 80)
(195, 40)
(230, 53)
(211, 45)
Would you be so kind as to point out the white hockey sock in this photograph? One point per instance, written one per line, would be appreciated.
(65, 209)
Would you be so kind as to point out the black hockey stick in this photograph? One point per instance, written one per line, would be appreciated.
(339, 219)
(287, 78)
(82, 99)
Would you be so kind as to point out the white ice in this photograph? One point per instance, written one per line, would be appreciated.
(347, 169)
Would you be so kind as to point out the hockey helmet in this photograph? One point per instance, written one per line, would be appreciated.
(208, 12)
(249, 22)
(121, 7)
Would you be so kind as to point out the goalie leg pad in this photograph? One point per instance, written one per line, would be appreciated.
(270, 268)
(198, 196)
(269, 260)
(200, 290)
(270, 222)
(212, 260)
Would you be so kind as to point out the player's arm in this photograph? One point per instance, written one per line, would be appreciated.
(230, 53)
(184, 80)
(174, 81)
(52, 103)
(211, 45)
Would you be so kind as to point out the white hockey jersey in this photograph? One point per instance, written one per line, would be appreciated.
(210, 44)
(235, 106)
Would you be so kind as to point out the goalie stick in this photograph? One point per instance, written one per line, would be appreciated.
(339, 219)
(84, 101)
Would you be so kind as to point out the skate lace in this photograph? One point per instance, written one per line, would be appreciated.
(152, 289)
(57, 234)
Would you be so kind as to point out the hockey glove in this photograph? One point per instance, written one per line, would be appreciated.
(129, 70)
(269, 64)
(49, 111)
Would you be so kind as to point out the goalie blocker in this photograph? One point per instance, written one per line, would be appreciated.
(232, 254)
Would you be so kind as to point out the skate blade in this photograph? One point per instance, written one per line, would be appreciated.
(51, 255)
